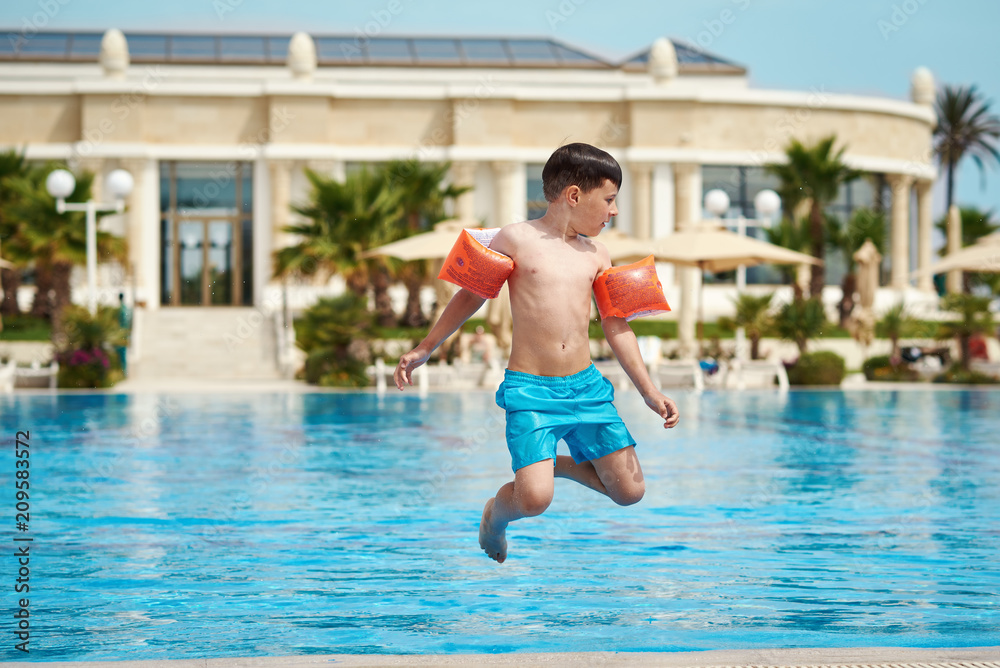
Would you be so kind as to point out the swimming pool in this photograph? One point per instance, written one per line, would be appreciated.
(178, 526)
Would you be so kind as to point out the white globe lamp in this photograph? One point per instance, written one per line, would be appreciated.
(717, 202)
(60, 184)
(767, 204)
(120, 184)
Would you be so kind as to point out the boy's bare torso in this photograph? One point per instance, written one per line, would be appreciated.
(550, 295)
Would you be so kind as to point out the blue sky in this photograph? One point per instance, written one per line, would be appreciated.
(866, 47)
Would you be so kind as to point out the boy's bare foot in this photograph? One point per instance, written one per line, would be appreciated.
(492, 540)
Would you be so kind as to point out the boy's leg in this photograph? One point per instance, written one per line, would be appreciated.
(528, 495)
(583, 473)
(621, 475)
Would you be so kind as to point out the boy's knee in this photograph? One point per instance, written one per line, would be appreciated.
(534, 502)
(629, 495)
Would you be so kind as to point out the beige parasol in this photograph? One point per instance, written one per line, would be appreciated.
(713, 248)
(982, 256)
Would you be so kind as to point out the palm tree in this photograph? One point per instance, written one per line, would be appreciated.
(344, 220)
(793, 235)
(896, 323)
(801, 320)
(12, 166)
(54, 241)
(754, 315)
(815, 173)
(422, 199)
(975, 224)
(864, 224)
(965, 127)
(975, 319)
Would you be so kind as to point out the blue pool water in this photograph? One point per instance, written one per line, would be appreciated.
(178, 526)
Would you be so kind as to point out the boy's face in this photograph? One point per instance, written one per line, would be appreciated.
(597, 207)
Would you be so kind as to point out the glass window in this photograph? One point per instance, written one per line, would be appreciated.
(277, 48)
(193, 47)
(85, 46)
(42, 44)
(536, 197)
(389, 50)
(148, 46)
(340, 50)
(570, 55)
(484, 50)
(533, 51)
(240, 48)
(431, 50)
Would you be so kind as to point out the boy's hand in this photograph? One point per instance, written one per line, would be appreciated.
(407, 363)
(664, 407)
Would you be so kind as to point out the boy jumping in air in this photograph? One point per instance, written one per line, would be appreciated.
(551, 390)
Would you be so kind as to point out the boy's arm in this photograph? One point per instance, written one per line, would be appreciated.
(461, 307)
(623, 342)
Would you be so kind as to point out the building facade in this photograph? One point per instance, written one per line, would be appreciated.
(217, 130)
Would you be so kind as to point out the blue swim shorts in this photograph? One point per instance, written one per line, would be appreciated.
(577, 409)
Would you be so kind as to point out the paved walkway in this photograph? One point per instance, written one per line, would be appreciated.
(865, 657)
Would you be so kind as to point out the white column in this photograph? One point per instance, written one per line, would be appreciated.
(146, 228)
(641, 200)
(925, 229)
(687, 178)
(281, 199)
(509, 197)
(463, 174)
(953, 281)
(662, 210)
(263, 265)
(900, 234)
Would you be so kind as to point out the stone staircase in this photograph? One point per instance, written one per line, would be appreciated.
(229, 343)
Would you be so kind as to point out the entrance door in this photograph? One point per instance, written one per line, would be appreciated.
(206, 260)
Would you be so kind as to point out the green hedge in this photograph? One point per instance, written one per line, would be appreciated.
(818, 368)
(880, 367)
(956, 374)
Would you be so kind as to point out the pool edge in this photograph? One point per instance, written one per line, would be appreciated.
(853, 657)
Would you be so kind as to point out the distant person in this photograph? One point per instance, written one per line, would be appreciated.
(551, 389)
(125, 322)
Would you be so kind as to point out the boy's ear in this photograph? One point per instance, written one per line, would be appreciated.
(572, 194)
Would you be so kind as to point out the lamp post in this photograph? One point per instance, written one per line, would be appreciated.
(766, 203)
(61, 184)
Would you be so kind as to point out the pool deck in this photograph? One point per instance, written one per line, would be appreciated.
(860, 657)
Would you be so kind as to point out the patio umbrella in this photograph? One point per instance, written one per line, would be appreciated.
(713, 248)
(982, 256)
(622, 247)
(435, 245)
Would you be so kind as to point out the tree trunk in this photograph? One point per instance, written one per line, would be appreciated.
(383, 303)
(818, 276)
(755, 347)
(11, 279)
(414, 315)
(965, 352)
(848, 287)
(949, 191)
(41, 306)
(61, 295)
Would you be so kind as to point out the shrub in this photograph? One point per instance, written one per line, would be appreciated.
(881, 367)
(801, 320)
(335, 333)
(85, 348)
(818, 368)
(956, 374)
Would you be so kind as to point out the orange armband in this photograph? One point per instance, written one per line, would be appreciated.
(630, 291)
(472, 265)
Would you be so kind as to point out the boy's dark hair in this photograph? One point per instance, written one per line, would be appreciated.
(581, 165)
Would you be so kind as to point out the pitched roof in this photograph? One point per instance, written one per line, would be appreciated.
(340, 50)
